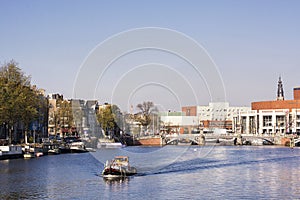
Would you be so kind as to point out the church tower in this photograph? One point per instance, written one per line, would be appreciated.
(280, 95)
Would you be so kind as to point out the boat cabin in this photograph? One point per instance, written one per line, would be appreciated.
(121, 160)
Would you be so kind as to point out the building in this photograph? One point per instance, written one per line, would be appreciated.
(72, 117)
(178, 122)
(216, 115)
(275, 117)
(53, 121)
(84, 114)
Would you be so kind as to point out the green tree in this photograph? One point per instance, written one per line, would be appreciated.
(110, 118)
(18, 99)
(64, 116)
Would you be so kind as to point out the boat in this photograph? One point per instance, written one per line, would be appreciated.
(118, 167)
(64, 148)
(11, 151)
(73, 144)
(53, 151)
(38, 152)
(77, 147)
(261, 141)
(51, 148)
(28, 154)
(109, 145)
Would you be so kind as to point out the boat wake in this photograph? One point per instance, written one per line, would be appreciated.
(194, 165)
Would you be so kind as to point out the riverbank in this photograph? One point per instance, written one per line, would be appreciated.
(17, 151)
(41, 149)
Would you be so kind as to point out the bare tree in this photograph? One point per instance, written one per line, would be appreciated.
(147, 109)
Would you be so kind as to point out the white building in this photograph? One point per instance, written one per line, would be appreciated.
(271, 121)
(220, 111)
(215, 115)
(274, 117)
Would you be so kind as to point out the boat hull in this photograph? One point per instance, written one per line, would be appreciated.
(10, 156)
(75, 150)
(114, 173)
(10, 152)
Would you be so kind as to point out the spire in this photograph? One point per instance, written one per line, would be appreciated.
(280, 95)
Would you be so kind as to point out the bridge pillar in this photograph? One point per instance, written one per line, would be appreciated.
(292, 142)
(162, 141)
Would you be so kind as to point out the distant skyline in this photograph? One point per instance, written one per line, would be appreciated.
(251, 42)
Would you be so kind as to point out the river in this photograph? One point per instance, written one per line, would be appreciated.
(171, 172)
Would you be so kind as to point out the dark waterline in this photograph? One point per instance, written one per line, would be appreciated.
(227, 172)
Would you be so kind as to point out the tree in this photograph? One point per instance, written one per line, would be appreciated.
(64, 116)
(18, 99)
(147, 109)
(110, 118)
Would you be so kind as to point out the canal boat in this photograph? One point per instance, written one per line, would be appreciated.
(73, 144)
(118, 167)
(51, 148)
(77, 147)
(28, 154)
(11, 151)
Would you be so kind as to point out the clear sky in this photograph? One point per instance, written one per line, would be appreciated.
(252, 42)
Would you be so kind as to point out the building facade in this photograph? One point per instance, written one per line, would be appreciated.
(275, 117)
(216, 115)
(72, 117)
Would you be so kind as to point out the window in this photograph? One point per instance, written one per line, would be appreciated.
(267, 120)
(280, 121)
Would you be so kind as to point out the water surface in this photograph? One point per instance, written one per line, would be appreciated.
(221, 172)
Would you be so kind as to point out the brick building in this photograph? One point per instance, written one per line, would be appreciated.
(279, 116)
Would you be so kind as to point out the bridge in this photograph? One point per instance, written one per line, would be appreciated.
(202, 139)
(297, 142)
(198, 138)
(182, 138)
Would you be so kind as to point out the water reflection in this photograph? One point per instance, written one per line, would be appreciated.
(116, 180)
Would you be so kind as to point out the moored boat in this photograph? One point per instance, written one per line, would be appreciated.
(11, 151)
(73, 145)
(51, 149)
(38, 152)
(118, 167)
(109, 145)
(77, 147)
(28, 154)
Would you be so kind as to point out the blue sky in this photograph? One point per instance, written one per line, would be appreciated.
(251, 42)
